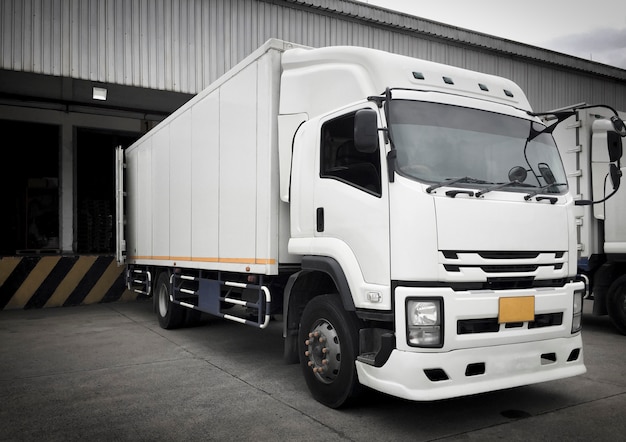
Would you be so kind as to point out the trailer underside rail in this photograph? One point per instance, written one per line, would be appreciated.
(250, 302)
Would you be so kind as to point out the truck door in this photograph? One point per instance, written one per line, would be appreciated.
(351, 200)
(120, 241)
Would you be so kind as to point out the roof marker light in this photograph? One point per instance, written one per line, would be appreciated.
(418, 75)
(447, 80)
(483, 87)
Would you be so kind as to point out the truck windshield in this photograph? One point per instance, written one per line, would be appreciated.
(439, 142)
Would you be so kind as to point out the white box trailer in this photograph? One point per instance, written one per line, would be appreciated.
(408, 221)
(204, 184)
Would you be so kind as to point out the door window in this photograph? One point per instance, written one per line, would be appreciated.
(342, 161)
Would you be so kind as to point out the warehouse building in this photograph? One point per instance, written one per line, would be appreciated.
(79, 77)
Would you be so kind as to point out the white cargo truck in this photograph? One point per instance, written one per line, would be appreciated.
(408, 222)
(601, 227)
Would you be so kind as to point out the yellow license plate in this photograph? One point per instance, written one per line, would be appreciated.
(516, 309)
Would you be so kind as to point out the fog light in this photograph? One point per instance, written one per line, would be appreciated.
(576, 324)
(577, 312)
(424, 322)
(425, 336)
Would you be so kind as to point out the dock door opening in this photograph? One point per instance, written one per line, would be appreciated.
(29, 188)
(95, 187)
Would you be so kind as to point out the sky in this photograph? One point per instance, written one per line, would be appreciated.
(591, 30)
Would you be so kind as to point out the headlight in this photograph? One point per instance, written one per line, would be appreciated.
(424, 322)
(577, 312)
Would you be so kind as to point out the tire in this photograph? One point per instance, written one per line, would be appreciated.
(170, 315)
(328, 346)
(616, 303)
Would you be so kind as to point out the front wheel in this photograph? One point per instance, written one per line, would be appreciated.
(616, 303)
(170, 315)
(328, 346)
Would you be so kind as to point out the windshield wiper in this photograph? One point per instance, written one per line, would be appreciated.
(450, 181)
(541, 189)
(500, 186)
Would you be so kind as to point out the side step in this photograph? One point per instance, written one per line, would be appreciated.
(213, 296)
(139, 281)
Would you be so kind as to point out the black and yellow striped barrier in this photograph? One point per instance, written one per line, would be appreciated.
(53, 281)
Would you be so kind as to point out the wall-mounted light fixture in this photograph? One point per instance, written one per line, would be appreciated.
(99, 93)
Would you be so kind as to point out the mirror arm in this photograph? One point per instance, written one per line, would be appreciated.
(391, 164)
(590, 203)
(618, 124)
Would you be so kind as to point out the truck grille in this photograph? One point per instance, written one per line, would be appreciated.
(500, 254)
(490, 325)
(502, 268)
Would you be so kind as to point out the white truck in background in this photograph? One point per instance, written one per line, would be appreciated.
(601, 227)
(408, 221)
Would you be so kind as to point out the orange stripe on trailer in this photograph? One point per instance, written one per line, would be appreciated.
(265, 261)
(246, 261)
(203, 259)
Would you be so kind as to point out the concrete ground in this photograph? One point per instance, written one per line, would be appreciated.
(108, 372)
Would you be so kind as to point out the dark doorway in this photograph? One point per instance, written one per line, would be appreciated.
(29, 187)
(95, 185)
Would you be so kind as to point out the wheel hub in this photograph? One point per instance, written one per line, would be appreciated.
(323, 351)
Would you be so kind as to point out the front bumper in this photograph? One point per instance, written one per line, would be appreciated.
(405, 373)
(478, 354)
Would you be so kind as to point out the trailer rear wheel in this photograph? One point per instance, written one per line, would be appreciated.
(328, 346)
(170, 315)
(616, 303)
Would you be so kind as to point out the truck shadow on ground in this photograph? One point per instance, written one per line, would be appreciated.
(245, 350)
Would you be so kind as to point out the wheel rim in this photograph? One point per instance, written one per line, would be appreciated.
(163, 300)
(323, 351)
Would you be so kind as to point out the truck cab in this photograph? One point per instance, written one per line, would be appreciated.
(445, 234)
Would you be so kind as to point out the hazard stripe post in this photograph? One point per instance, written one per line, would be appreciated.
(53, 281)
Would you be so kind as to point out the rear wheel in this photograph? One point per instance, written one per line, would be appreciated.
(170, 315)
(328, 346)
(616, 303)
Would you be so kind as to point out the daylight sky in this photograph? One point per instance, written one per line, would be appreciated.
(593, 30)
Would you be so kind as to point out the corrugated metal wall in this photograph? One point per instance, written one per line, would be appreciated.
(183, 45)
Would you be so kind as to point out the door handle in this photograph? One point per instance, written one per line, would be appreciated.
(320, 219)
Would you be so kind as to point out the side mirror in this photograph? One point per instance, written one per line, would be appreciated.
(619, 126)
(616, 176)
(546, 173)
(614, 144)
(366, 131)
(518, 173)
